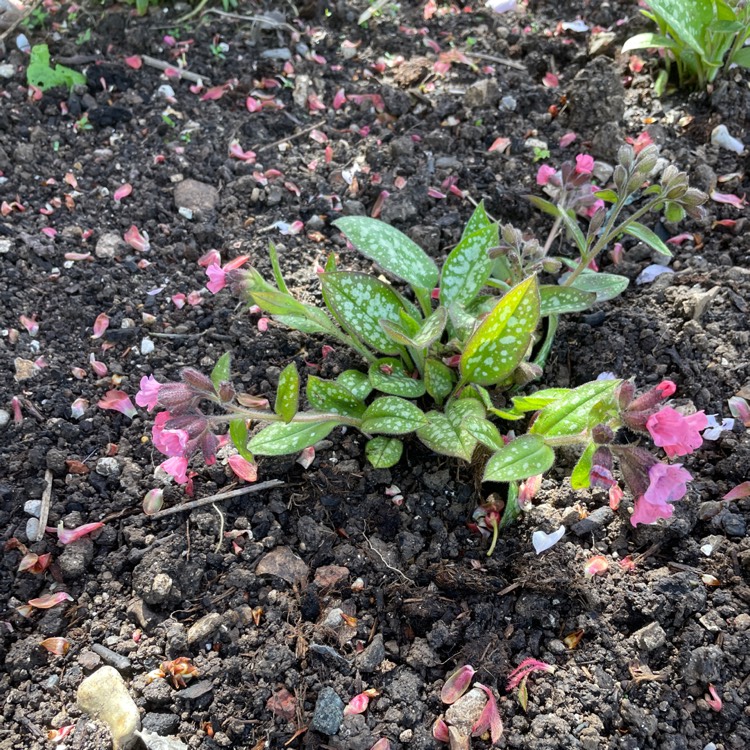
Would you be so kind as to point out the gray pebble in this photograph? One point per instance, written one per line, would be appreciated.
(650, 637)
(278, 53)
(108, 467)
(118, 661)
(4, 418)
(329, 712)
(161, 723)
(594, 522)
(371, 658)
(32, 529)
(32, 508)
(204, 628)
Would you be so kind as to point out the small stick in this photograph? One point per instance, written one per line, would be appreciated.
(289, 137)
(44, 512)
(21, 18)
(499, 60)
(214, 498)
(186, 74)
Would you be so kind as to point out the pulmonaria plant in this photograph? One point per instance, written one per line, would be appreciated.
(445, 350)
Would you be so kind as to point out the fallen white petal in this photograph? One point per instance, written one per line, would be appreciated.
(543, 541)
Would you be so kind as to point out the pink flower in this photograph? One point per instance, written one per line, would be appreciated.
(176, 467)
(544, 173)
(119, 401)
(243, 468)
(217, 278)
(169, 442)
(148, 395)
(584, 164)
(667, 484)
(677, 434)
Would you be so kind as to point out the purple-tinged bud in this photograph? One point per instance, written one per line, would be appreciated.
(457, 684)
(602, 434)
(197, 381)
(176, 397)
(634, 464)
(654, 396)
(194, 424)
(625, 392)
(226, 392)
(208, 444)
(440, 731)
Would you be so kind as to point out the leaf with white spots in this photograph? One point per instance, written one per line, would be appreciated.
(500, 342)
(606, 286)
(431, 330)
(360, 302)
(468, 266)
(383, 452)
(439, 380)
(355, 381)
(442, 437)
(278, 438)
(287, 393)
(388, 376)
(580, 477)
(570, 415)
(557, 300)
(301, 323)
(524, 457)
(222, 370)
(333, 398)
(390, 415)
(539, 400)
(485, 432)
(391, 249)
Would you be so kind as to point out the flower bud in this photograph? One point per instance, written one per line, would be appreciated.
(602, 434)
(634, 465)
(511, 236)
(646, 159)
(694, 197)
(176, 397)
(226, 391)
(625, 392)
(550, 265)
(457, 684)
(670, 173)
(625, 156)
(597, 221)
(197, 380)
(620, 177)
(653, 397)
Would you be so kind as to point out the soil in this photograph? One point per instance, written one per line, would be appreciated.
(272, 651)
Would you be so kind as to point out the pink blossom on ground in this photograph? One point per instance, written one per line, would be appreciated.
(217, 278)
(243, 468)
(209, 258)
(677, 434)
(118, 401)
(584, 164)
(667, 484)
(176, 467)
(148, 394)
(544, 173)
(66, 536)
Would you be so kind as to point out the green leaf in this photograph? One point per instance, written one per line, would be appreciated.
(238, 434)
(524, 457)
(360, 302)
(648, 40)
(355, 381)
(278, 438)
(302, 323)
(275, 302)
(438, 379)
(580, 478)
(287, 393)
(575, 231)
(606, 286)
(388, 376)
(383, 452)
(569, 415)
(441, 436)
(391, 415)
(468, 266)
(497, 346)
(644, 234)
(485, 432)
(431, 330)
(544, 205)
(333, 398)
(687, 20)
(484, 397)
(222, 370)
(391, 249)
(607, 195)
(540, 399)
(277, 275)
(556, 300)
(41, 74)
(742, 57)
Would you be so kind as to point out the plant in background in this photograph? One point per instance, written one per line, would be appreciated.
(701, 38)
(42, 75)
(443, 360)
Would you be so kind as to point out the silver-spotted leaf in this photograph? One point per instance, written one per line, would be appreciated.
(355, 381)
(222, 370)
(279, 438)
(522, 458)
(388, 376)
(432, 329)
(485, 432)
(540, 399)
(391, 249)
(441, 436)
(287, 393)
(439, 379)
(570, 415)
(333, 398)
(383, 452)
(556, 300)
(497, 346)
(606, 286)
(360, 302)
(390, 415)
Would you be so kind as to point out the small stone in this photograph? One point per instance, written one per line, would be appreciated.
(32, 508)
(329, 712)
(4, 418)
(371, 658)
(104, 696)
(198, 197)
(704, 665)
(108, 467)
(75, 558)
(89, 660)
(464, 713)
(327, 576)
(277, 53)
(157, 742)
(32, 529)
(734, 524)
(204, 628)
(145, 617)
(161, 588)
(421, 655)
(199, 691)
(330, 657)
(118, 661)
(284, 564)
(108, 245)
(742, 622)
(650, 637)
(161, 723)
(483, 93)
(594, 522)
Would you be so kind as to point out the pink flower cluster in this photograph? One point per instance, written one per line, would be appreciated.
(217, 274)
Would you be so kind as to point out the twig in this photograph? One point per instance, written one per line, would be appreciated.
(267, 20)
(214, 498)
(264, 146)
(499, 60)
(20, 20)
(221, 527)
(385, 562)
(186, 74)
(44, 511)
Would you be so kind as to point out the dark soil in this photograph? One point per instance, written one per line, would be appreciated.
(425, 596)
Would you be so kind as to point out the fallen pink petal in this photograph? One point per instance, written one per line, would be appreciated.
(66, 536)
(99, 368)
(139, 242)
(30, 324)
(134, 61)
(740, 409)
(357, 705)
(50, 600)
(568, 139)
(440, 731)
(457, 684)
(306, 458)
(153, 501)
(243, 468)
(714, 699)
(100, 325)
(118, 401)
(739, 492)
(596, 566)
(728, 198)
(524, 669)
(123, 192)
(489, 718)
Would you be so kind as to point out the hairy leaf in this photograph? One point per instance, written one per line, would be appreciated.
(222, 370)
(438, 379)
(388, 376)
(287, 393)
(556, 300)
(278, 438)
(355, 381)
(644, 234)
(333, 398)
(580, 478)
(391, 415)
(522, 458)
(383, 452)
(238, 434)
(606, 286)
